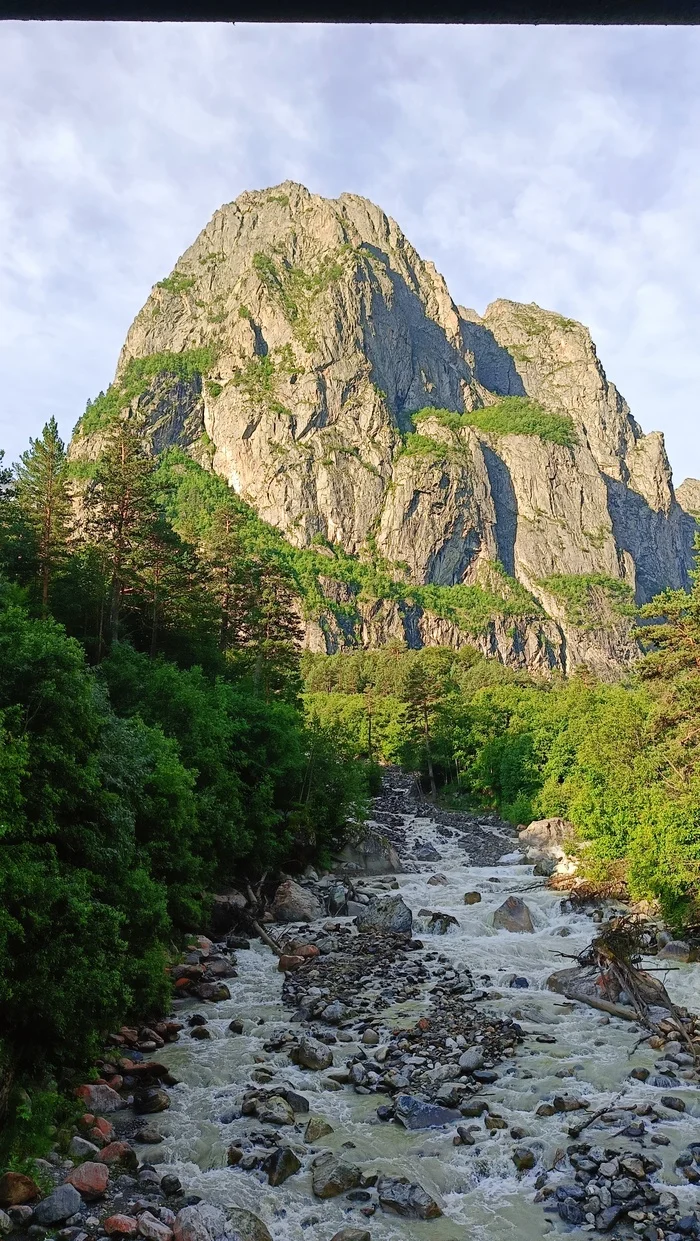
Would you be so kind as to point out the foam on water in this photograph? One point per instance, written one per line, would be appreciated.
(481, 1195)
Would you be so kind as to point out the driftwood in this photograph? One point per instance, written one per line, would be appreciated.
(266, 939)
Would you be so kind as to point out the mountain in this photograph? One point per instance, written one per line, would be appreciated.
(460, 478)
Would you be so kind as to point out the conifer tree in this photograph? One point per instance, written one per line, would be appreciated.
(43, 500)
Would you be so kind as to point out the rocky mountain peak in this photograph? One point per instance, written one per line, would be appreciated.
(302, 349)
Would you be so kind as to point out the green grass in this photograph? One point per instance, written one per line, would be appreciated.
(101, 413)
(243, 312)
(178, 282)
(296, 288)
(434, 452)
(258, 378)
(588, 599)
(514, 415)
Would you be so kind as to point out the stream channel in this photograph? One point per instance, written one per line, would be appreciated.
(482, 1196)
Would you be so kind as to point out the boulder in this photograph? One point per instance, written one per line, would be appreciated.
(513, 915)
(471, 1059)
(288, 962)
(100, 1099)
(548, 836)
(120, 1226)
(417, 1114)
(372, 853)
(437, 881)
(385, 913)
(152, 1229)
(316, 1128)
(6, 1224)
(426, 853)
(472, 898)
(311, 1054)
(331, 1176)
(293, 903)
(352, 1234)
(334, 1013)
(148, 1101)
(90, 1180)
(275, 1111)
(16, 1189)
(225, 911)
(675, 950)
(281, 1164)
(199, 1223)
(59, 1206)
(80, 1148)
(120, 1153)
(245, 1226)
(402, 1197)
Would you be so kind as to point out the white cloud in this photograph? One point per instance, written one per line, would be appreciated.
(556, 165)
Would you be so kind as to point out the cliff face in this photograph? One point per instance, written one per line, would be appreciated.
(321, 332)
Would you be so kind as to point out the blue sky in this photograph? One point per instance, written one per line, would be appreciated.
(554, 165)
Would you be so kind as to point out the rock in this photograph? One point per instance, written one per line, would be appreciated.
(316, 1128)
(16, 1189)
(471, 1059)
(293, 903)
(352, 1234)
(523, 1158)
(437, 881)
(548, 836)
(331, 1176)
(80, 1148)
(120, 1226)
(385, 913)
(370, 1038)
(334, 1013)
(372, 853)
(675, 950)
(235, 1026)
(311, 1054)
(215, 992)
(513, 915)
(673, 1104)
(59, 1206)
(281, 1164)
(297, 1102)
(153, 1100)
(170, 1185)
(426, 853)
(245, 1226)
(100, 1098)
(199, 1223)
(149, 1136)
(275, 1111)
(400, 1196)
(545, 867)
(472, 898)
(417, 1114)
(153, 1229)
(226, 909)
(288, 962)
(6, 1224)
(90, 1180)
(120, 1153)
(200, 1032)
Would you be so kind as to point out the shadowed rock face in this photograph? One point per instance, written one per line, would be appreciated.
(330, 331)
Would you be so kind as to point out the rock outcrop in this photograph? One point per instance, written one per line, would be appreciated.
(309, 333)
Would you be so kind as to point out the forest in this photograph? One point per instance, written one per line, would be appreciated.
(164, 735)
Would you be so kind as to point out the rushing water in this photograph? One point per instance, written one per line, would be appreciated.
(481, 1194)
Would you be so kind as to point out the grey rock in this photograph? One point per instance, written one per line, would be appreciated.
(317, 1127)
(405, 1198)
(417, 1114)
(513, 915)
(311, 1054)
(293, 903)
(675, 950)
(275, 1111)
(386, 913)
(471, 1059)
(331, 1176)
(372, 853)
(80, 1148)
(59, 1206)
(244, 1226)
(281, 1164)
(202, 1222)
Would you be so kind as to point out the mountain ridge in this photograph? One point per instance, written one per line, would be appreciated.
(304, 351)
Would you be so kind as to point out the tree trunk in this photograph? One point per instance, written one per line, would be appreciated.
(428, 755)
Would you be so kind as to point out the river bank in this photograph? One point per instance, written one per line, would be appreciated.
(454, 1015)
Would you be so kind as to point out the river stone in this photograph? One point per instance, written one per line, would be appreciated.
(426, 853)
(245, 1226)
(675, 950)
(148, 1101)
(281, 1164)
(59, 1206)
(202, 1222)
(6, 1224)
(331, 1176)
(275, 1111)
(80, 1148)
(334, 1013)
(16, 1189)
(513, 915)
(402, 1197)
(437, 881)
(416, 1114)
(352, 1234)
(316, 1128)
(90, 1179)
(311, 1054)
(293, 903)
(385, 913)
(523, 1158)
(297, 1102)
(372, 853)
(100, 1099)
(471, 1059)
(472, 898)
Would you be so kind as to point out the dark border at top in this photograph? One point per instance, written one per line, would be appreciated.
(438, 12)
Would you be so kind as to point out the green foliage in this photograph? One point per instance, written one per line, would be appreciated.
(591, 600)
(295, 288)
(136, 379)
(259, 377)
(213, 388)
(243, 312)
(282, 199)
(42, 498)
(178, 282)
(513, 415)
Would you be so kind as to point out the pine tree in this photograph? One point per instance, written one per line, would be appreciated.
(422, 692)
(41, 491)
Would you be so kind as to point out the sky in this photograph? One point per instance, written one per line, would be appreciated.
(551, 165)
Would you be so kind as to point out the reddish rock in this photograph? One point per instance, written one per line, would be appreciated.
(120, 1226)
(87, 1121)
(116, 1082)
(302, 950)
(16, 1189)
(193, 972)
(423, 1023)
(290, 963)
(181, 984)
(90, 1180)
(100, 1098)
(147, 1068)
(119, 1153)
(152, 1228)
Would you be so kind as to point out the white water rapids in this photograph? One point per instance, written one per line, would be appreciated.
(482, 1196)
